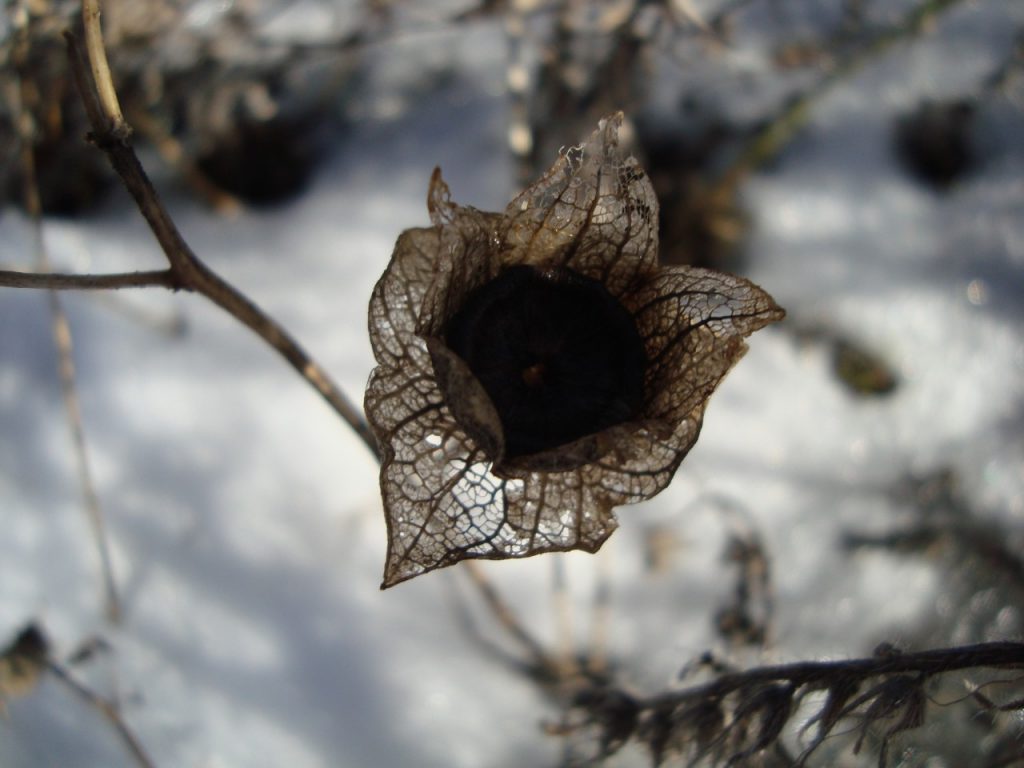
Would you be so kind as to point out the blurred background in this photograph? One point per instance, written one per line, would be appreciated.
(859, 479)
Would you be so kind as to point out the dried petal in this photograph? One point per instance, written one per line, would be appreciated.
(466, 473)
(594, 212)
(693, 321)
(21, 663)
(464, 257)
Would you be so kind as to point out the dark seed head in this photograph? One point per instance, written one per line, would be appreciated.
(558, 355)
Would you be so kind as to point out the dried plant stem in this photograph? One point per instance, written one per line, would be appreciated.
(187, 272)
(108, 710)
(507, 618)
(172, 153)
(56, 281)
(597, 649)
(62, 339)
(563, 617)
(101, 78)
(779, 131)
(1002, 655)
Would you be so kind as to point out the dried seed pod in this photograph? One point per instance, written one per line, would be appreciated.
(21, 663)
(536, 368)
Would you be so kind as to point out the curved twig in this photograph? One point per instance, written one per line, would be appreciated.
(112, 135)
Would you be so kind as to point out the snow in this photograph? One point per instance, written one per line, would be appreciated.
(245, 519)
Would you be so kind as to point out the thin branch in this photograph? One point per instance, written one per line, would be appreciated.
(1002, 655)
(62, 338)
(770, 141)
(112, 135)
(101, 69)
(55, 281)
(740, 713)
(506, 617)
(105, 708)
(563, 617)
(26, 657)
(600, 618)
(174, 155)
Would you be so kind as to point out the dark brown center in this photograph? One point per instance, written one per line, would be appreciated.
(558, 355)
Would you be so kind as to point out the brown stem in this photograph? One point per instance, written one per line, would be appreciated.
(162, 278)
(105, 708)
(507, 618)
(61, 331)
(770, 141)
(100, 69)
(112, 135)
(1004, 655)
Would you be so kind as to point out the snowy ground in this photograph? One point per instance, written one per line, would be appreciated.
(245, 519)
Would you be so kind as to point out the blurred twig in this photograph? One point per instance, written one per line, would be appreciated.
(597, 656)
(562, 609)
(56, 281)
(746, 618)
(999, 655)
(946, 519)
(61, 330)
(786, 124)
(112, 134)
(740, 715)
(28, 656)
(506, 617)
(107, 709)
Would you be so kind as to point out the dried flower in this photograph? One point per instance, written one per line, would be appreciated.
(537, 368)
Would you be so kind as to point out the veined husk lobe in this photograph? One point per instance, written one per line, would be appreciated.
(451, 490)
